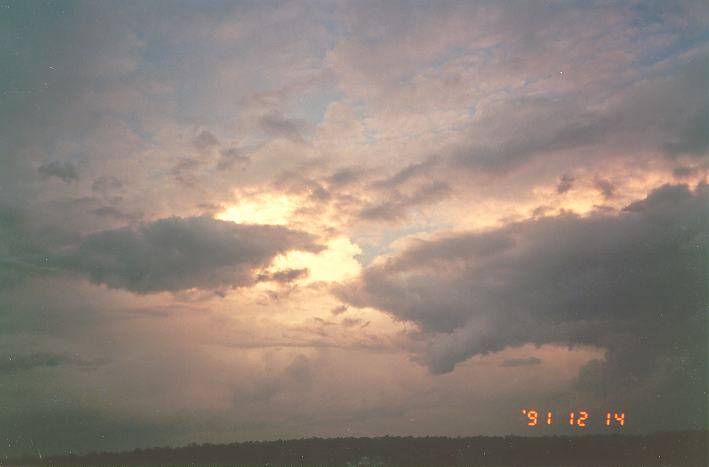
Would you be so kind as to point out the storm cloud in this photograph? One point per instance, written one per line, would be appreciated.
(179, 253)
(630, 282)
(265, 195)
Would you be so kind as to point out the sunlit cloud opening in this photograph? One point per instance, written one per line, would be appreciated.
(334, 264)
(265, 209)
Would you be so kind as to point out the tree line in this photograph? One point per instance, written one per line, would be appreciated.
(663, 449)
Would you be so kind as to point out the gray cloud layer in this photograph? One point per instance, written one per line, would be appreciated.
(19, 363)
(632, 282)
(391, 115)
(179, 253)
(65, 171)
(169, 254)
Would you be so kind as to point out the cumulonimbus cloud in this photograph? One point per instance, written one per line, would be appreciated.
(632, 282)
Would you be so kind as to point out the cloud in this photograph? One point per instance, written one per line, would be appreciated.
(205, 140)
(529, 127)
(284, 277)
(64, 171)
(606, 187)
(654, 115)
(684, 171)
(278, 125)
(513, 362)
(185, 171)
(404, 175)
(398, 205)
(231, 157)
(178, 253)
(345, 176)
(631, 282)
(693, 138)
(566, 183)
(349, 322)
(25, 362)
(21, 252)
(114, 213)
(370, 111)
(106, 184)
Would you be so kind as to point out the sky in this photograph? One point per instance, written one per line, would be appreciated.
(229, 221)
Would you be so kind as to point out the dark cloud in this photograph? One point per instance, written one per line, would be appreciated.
(295, 183)
(114, 213)
(210, 209)
(693, 138)
(232, 157)
(404, 175)
(185, 171)
(16, 363)
(541, 211)
(106, 184)
(205, 140)
(285, 276)
(513, 362)
(684, 171)
(528, 127)
(338, 310)
(349, 322)
(397, 206)
(669, 112)
(631, 282)
(566, 182)
(278, 125)
(82, 85)
(346, 176)
(606, 187)
(660, 113)
(21, 252)
(64, 171)
(178, 253)
(323, 322)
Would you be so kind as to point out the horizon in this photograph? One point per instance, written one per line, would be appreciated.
(274, 220)
(676, 448)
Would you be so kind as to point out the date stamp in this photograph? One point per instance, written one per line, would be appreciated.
(580, 419)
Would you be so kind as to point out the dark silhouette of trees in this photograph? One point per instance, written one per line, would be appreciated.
(663, 449)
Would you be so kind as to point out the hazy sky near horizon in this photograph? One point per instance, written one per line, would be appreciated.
(226, 221)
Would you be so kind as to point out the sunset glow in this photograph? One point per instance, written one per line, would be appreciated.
(264, 210)
(238, 220)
